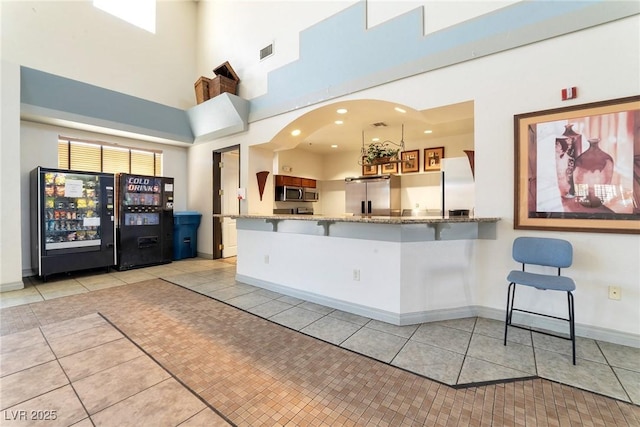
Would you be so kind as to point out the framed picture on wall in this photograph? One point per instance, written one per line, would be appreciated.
(576, 168)
(410, 161)
(368, 169)
(388, 168)
(432, 158)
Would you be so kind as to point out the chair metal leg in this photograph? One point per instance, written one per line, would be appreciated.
(572, 327)
(511, 293)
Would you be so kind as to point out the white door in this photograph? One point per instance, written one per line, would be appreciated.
(230, 181)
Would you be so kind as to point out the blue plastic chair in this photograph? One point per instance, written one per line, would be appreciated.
(542, 252)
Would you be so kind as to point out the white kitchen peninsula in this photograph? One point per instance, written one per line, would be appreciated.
(400, 270)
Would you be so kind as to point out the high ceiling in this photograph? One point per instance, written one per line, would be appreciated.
(375, 118)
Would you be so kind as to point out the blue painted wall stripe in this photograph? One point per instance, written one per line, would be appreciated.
(69, 96)
(340, 55)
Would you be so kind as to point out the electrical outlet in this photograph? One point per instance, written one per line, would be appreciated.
(266, 259)
(614, 292)
(356, 275)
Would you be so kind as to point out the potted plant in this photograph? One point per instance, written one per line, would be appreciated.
(380, 153)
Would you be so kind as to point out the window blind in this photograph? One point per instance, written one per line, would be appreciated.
(115, 159)
(104, 157)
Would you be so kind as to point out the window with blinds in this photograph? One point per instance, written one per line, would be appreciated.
(104, 157)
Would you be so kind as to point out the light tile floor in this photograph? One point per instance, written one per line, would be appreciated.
(83, 371)
(457, 352)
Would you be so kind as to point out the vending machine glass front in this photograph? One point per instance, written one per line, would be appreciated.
(142, 197)
(71, 216)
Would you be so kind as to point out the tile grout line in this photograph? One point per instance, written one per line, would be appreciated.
(614, 371)
(207, 404)
(466, 351)
(70, 383)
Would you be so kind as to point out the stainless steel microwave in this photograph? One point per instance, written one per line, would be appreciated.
(296, 194)
(310, 195)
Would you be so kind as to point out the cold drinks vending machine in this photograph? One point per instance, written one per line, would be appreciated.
(72, 221)
(145, 220)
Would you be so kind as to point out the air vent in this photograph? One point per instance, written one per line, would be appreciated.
(379, 125)
(265, 52)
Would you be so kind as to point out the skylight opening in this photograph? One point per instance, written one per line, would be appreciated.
(141, 13)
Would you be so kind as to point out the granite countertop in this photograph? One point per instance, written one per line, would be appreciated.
(359, 219)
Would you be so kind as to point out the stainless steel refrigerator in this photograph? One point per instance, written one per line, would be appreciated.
(373, 195)
(72, 224)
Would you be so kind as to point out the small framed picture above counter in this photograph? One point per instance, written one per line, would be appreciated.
(389, 168)
(432, 158)
(368, 169)
(410, 161)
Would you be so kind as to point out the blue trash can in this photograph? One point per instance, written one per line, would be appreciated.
(185, 234)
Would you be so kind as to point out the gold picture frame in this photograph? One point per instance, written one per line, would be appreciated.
(410, 161)
(577, 168)
(432, 158)
(389, 168)
(368, 169)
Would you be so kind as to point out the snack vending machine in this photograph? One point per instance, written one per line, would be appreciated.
(145, 220)
(72, 221)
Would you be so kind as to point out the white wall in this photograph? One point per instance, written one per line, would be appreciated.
(302, 163)
(222, 34)
(39, 147)
(10, 239)
(76, 40)
(501, 86)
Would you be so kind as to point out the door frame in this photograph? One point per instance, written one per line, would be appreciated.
(217, 198)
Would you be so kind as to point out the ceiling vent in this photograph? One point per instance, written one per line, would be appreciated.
(379, 125)
(266, 52)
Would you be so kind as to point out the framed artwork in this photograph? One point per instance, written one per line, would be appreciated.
(432, 158)
(577, 168)
(388, 168)
(368, 169)
(410, 161)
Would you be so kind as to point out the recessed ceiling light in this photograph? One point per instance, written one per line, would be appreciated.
(334, 146)
(296, 132)
(375, 139)
(341, 111)
(428, 131)
(400, 110)
(338, 122)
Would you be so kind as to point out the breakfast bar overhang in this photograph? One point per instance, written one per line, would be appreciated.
(400, 270)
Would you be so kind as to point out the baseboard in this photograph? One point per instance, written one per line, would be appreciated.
(11, 286)
(361, 310)
(204, 255)
(559, 326)
(535, 322)
(437, 315)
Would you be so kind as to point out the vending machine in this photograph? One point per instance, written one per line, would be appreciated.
(144, 220)
(72, 221)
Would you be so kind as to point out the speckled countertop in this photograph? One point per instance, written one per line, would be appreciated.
(369, 220)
